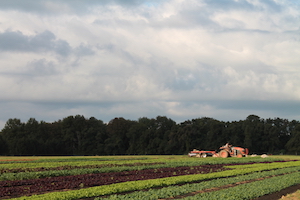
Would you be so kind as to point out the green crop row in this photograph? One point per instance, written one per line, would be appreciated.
(255, 165)
(253, 189)
(147, 184)
(8, 160)
(184, 161)
(50, 164)
(172, 191)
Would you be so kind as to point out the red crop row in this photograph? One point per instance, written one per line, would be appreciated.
(35, 186)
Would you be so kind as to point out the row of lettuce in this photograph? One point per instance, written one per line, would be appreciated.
(288, 171)
(56, 162)
(250, 190)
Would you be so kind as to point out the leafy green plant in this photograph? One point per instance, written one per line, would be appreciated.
(169, 163)
(172, 191)
(253, 189)
(162, 182)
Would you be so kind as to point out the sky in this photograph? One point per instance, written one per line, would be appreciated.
(183, 59)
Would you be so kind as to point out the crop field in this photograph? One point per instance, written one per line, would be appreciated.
(145, 177)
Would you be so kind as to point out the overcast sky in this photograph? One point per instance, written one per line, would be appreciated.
(184, 59)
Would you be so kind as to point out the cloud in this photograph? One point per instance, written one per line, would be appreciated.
(54, 7)
(179, 58)
(43, 42)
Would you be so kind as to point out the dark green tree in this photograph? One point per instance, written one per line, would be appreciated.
(3, 146)
(234, 133)
(54, 144)
(76, 135)
(14, 136)
(293, 145)
(73, 130)
(173, 145)
(253, 130)
(117, 142)
(33, 137)
(94, 138)
(163, 127)
(195, 134)
(216, 134)
(137, 137)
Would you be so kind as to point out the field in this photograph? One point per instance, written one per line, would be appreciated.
(146, 177)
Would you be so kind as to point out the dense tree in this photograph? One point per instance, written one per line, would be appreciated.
(13, 134)
(54, 143)
(94, 143)
(159, 134)
(293, 145)
(72, 131)
(253, 131)
(3, 146)
(216, 134)
(234, 133)
(137, 137)
(173, 145)
(76, 135)
(83, 136)
(117, 141)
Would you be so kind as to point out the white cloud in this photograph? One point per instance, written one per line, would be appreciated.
(146, 58)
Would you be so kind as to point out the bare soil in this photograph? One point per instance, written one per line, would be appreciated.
(278, 195)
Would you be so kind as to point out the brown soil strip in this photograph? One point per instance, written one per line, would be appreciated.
(279, 194)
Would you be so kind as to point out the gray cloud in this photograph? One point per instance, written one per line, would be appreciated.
(41, 67)
(43, 42)
(53, 7)
(226, 5)
(13, 41)
(270, 6)
(283, 108)
(84, 50)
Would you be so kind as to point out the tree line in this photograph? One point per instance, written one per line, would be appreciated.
(77, 135)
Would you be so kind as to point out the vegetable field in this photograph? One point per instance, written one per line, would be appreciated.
(145, 177)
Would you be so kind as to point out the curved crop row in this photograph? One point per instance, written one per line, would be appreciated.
(253, 189)
(147, 184)
(173, 191)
